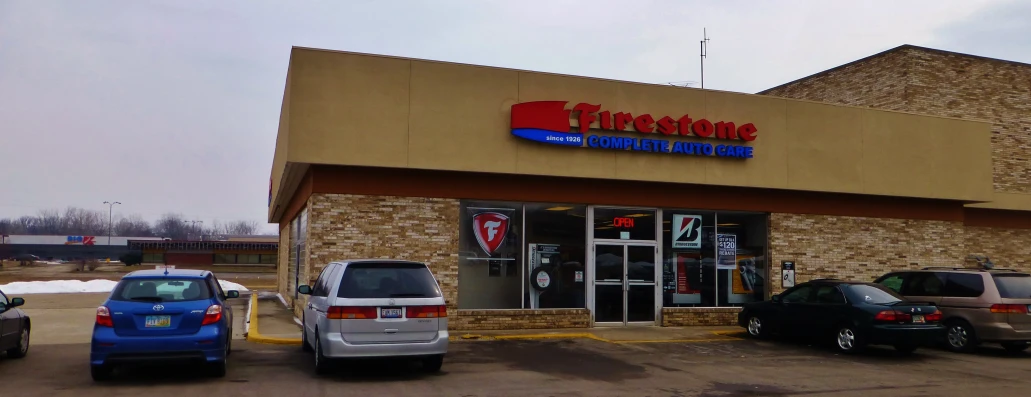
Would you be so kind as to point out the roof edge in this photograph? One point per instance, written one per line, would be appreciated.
(889, 51)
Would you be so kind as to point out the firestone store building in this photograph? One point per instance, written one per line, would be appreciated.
(551, 201)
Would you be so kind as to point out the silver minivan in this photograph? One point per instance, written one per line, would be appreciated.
(375, 308)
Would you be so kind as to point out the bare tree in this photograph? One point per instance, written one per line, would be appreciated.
(133, 226)
(234, 228)
(49, 222)
(174, 226)
(85, 222)
(29, 224)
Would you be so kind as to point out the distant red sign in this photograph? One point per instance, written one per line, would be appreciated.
(623, 222)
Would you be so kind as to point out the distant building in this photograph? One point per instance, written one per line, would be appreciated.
(52, 247)
(207, 250)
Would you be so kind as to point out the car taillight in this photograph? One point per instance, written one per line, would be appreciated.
(934, 317)
(351, 312)
(893, 316)
(213, 315)
(1011, 309)
(104, 317)
(426, 311)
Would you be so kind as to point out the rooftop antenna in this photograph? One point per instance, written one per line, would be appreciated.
(704, 44)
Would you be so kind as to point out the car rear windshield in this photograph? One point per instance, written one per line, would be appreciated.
(387, 280)
(1013, 286)
(162, 289)
(873, 294)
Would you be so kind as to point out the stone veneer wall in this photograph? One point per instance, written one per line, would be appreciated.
(520, 319)
(853, 248)
(939, 83)
(343, 226)
(689, 316)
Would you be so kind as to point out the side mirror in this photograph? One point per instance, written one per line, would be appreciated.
(304, 290)
(775, 298)
(15, 302)
(232, 294)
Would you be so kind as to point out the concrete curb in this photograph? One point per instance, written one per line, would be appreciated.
(724, 336)
(252, 332)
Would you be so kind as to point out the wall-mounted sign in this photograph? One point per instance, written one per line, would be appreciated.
(687, 231)
(549, 122)
(726, 251)
(787, 269)
(80, 240)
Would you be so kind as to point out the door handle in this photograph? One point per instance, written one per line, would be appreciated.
(390, 331)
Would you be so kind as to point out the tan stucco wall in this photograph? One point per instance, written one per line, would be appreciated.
(354, 109)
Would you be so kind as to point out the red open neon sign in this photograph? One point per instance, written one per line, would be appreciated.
(623, 222)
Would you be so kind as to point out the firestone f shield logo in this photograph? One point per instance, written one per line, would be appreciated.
(490, 229)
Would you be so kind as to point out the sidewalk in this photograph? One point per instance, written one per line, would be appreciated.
(271, 322)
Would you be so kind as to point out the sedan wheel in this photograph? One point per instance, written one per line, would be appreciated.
(848, 340)
(755, 327)
(22, 348)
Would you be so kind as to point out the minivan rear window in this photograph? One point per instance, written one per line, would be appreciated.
(387, 280)
(163, 289)
(1013, 286)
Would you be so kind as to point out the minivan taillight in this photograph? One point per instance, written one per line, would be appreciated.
(104, 317)
(435, 311)
(351, 312)
(213, 315)
(1011, 309)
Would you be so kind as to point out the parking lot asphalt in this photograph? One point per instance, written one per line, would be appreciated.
(550, 368)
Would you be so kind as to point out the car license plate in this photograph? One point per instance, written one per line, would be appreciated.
(390, 312)
(158, 321)
(918, 319)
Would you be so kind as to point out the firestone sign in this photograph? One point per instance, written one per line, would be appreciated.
(548, 122)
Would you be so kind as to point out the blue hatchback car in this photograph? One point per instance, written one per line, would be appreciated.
(163, 315)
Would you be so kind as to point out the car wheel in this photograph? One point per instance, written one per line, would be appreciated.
(101, 373)
(757, 328)
(321, 364)
(1015, 347)
(22, 348)
(960, 337)
(906, 348)
(433, 363)
(848, 340)
(305, 344)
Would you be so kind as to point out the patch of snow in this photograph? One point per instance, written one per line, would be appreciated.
(231, 286)
(57, 287)
(79, 286)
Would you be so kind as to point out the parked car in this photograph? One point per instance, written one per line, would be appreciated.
(163, 315)
(15, 327)
(375, 308)
(977, 305)
(852, 314)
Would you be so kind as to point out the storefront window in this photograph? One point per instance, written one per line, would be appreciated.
(624, 224)
(521, 255)
(490, 255)
(713, 259)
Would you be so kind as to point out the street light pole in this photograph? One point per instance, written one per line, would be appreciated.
(110, 225)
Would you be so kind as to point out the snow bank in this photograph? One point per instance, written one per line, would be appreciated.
(57, 287)
(79, 286)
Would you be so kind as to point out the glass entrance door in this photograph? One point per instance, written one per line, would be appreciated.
(624, 283)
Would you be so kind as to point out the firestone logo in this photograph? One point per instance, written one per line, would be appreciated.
(490, 229)
(549, 122)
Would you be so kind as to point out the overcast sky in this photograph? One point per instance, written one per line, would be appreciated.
(172, 106)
